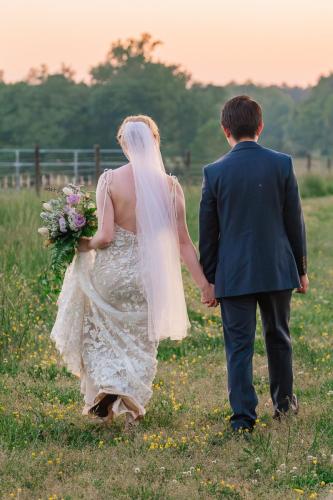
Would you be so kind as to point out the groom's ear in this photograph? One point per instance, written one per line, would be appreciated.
(226, 131)
(260, 128)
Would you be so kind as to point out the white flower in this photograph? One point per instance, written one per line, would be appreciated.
(137, 470)
(257, 459)
(67, 191)
(43, 231)
(47, 207)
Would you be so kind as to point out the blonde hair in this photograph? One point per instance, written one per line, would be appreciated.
(139, 118)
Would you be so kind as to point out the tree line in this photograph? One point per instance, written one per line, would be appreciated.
(56, 111)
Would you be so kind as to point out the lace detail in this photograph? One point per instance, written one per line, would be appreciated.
(101, 328)
(175, 182)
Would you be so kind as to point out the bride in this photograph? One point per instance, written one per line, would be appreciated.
(123, 292)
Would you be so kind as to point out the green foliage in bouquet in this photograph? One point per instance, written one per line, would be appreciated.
(66, 219)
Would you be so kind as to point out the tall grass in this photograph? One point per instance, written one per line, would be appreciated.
(312, 186)
(182, 449)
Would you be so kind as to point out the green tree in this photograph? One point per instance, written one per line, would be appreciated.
(312, 124)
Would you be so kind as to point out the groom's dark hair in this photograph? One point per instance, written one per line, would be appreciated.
(242, 116)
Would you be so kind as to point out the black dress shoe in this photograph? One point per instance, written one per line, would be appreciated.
(293, 408)
(100, 409)
(242, 429)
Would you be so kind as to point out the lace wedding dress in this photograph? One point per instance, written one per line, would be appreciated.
(117, 302)
(101, 327)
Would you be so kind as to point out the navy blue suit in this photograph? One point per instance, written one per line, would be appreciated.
(253, 248)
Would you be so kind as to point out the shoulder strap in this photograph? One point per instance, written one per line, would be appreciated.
(105, 180)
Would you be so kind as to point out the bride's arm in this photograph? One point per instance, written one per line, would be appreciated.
(188, 251)
(105, 216)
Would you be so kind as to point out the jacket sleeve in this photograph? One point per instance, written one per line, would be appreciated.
(208, 231)
(294, 222)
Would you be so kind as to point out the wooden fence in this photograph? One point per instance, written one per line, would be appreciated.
(54, 168)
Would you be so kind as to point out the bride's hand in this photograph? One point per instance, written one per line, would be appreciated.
(83, 245)
(208, 295)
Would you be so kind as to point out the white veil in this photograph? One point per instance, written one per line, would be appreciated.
(157, 235)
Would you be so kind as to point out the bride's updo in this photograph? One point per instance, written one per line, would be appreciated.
(138, 118)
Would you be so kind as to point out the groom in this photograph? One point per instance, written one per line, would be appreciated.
(253, 249)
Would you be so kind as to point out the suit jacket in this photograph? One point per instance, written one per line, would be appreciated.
(252, 233)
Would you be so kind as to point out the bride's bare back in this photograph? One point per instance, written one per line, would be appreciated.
(121, 188)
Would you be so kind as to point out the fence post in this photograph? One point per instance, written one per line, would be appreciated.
(308, 162)
(76, 166)
(188, 160)
(97, 161)
(37, 169)
(17, 169)
(329, 164)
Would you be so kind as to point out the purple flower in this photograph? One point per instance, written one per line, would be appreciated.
(62, 224)
(79, 220)
(73, 199)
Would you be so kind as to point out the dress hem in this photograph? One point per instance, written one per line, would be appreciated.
(123, 404)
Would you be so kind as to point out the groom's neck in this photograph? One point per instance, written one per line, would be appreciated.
(233, 141)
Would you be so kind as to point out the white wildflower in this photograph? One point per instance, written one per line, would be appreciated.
(43, 231)
(67, 191)
(47, 207)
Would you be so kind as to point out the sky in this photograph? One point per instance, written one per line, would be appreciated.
(266, 41)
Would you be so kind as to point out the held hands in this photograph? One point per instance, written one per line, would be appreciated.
(304, 284)
(208, 295)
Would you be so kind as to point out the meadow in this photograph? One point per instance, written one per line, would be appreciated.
(183, 448)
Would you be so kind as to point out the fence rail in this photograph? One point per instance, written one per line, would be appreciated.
(42, 168)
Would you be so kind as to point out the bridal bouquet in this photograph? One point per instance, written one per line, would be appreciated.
(66, 219)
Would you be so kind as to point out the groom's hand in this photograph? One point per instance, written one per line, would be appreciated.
(304, 284)
(208, 295)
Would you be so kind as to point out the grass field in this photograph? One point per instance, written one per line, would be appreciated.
(182, 449)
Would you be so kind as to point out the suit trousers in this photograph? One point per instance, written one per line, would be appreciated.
(239, 326)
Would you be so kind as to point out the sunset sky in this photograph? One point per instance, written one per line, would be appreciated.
(268, 41)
